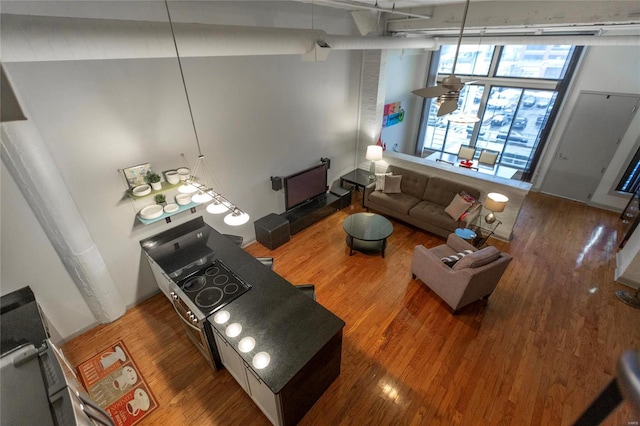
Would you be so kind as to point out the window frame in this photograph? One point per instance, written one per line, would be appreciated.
(490, 81)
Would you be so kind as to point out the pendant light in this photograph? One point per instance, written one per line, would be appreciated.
(196, 185)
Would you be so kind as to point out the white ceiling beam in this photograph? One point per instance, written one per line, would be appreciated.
(495, 14)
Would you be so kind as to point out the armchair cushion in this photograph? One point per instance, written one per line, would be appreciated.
(455, 258)
(478, 258)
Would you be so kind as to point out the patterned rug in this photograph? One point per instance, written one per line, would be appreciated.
(114, 382)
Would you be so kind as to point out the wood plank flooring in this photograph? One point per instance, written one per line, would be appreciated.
(538, 353)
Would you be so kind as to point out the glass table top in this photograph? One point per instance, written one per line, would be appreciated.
(367, 226)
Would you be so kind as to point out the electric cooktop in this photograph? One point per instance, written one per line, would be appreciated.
(213, 287)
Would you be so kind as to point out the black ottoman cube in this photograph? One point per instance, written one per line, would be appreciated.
(272, 231)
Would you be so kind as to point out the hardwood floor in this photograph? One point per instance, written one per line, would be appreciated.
(538, 353)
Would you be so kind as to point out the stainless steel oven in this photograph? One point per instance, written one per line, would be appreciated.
(199, 295)
(195, 281)
(194, 327)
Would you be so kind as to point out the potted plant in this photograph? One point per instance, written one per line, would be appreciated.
(153, 179)
(161, 199)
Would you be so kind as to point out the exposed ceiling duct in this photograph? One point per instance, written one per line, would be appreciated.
(575, 40)
(27, 38)
(37, 38)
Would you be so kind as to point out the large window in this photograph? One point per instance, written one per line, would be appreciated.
(513, 89)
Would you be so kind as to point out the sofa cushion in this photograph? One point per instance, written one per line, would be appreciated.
(413, 183)
(441, 191)
(457, 207)
(433, 214)
(380, 179)
(478, 258)
(400, 203)
(392, 184)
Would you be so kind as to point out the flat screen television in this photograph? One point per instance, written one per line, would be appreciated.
(305, 185)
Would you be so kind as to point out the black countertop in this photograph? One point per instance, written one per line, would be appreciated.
(285, 323)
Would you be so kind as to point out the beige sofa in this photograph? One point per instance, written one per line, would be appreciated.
(422, 201)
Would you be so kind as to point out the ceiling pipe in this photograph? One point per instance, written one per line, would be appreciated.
(37, 38)
(575, 40)
(350, 5)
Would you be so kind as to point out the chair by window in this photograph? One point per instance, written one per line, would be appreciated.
(488, 157)
(466, 152)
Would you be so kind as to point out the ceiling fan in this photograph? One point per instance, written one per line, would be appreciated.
(448, 91)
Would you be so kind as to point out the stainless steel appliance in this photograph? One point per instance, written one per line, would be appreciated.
(188, 272)
(200, 294)
(39, 388)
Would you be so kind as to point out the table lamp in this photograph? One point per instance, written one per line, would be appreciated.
(374, 153)
(495, 203)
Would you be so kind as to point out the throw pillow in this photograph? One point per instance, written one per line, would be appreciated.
(457, 207)
(468, 197)
(454, 258)
(478, 258)
(380, 178)
(392, 184)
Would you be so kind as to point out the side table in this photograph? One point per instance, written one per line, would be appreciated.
(359, 178)
(466, 234)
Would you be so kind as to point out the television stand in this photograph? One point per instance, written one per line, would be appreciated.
(312, 211)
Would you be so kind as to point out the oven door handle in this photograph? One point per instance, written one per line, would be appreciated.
(173, 302)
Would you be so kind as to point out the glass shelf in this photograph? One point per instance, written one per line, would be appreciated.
(165, 187)
(167, 216)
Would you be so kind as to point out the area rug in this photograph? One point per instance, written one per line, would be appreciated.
(114, 382)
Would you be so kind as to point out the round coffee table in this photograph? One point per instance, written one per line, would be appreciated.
(367, 232)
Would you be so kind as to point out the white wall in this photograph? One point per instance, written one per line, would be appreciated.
(29, 259)
(405, 72)
(256, 116)
(603, 69)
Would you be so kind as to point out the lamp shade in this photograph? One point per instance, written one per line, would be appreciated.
(374, 153)
(236, 218)
(495, 202)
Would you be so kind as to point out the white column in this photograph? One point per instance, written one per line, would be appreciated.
(372, 93)
(27, 158)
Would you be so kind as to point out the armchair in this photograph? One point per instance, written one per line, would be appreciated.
(472, 278)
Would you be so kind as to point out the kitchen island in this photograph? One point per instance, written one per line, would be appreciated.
(302, 338)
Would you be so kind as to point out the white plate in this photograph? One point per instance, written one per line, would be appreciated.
(151, 212)
(141, 190)
(170, 208)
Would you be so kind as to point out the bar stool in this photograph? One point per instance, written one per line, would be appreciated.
(308, 289)
(267, 261)
(235, 238)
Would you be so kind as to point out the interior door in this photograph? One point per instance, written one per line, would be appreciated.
(595, 128)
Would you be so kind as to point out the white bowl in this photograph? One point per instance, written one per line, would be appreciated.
(151, 212)
(170, 208)
(183, 199)
(183, 173)
(141, 190)
(172, 177)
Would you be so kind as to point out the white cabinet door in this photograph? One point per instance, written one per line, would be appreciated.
(161, 278)
(231, 360)
(264, 398)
